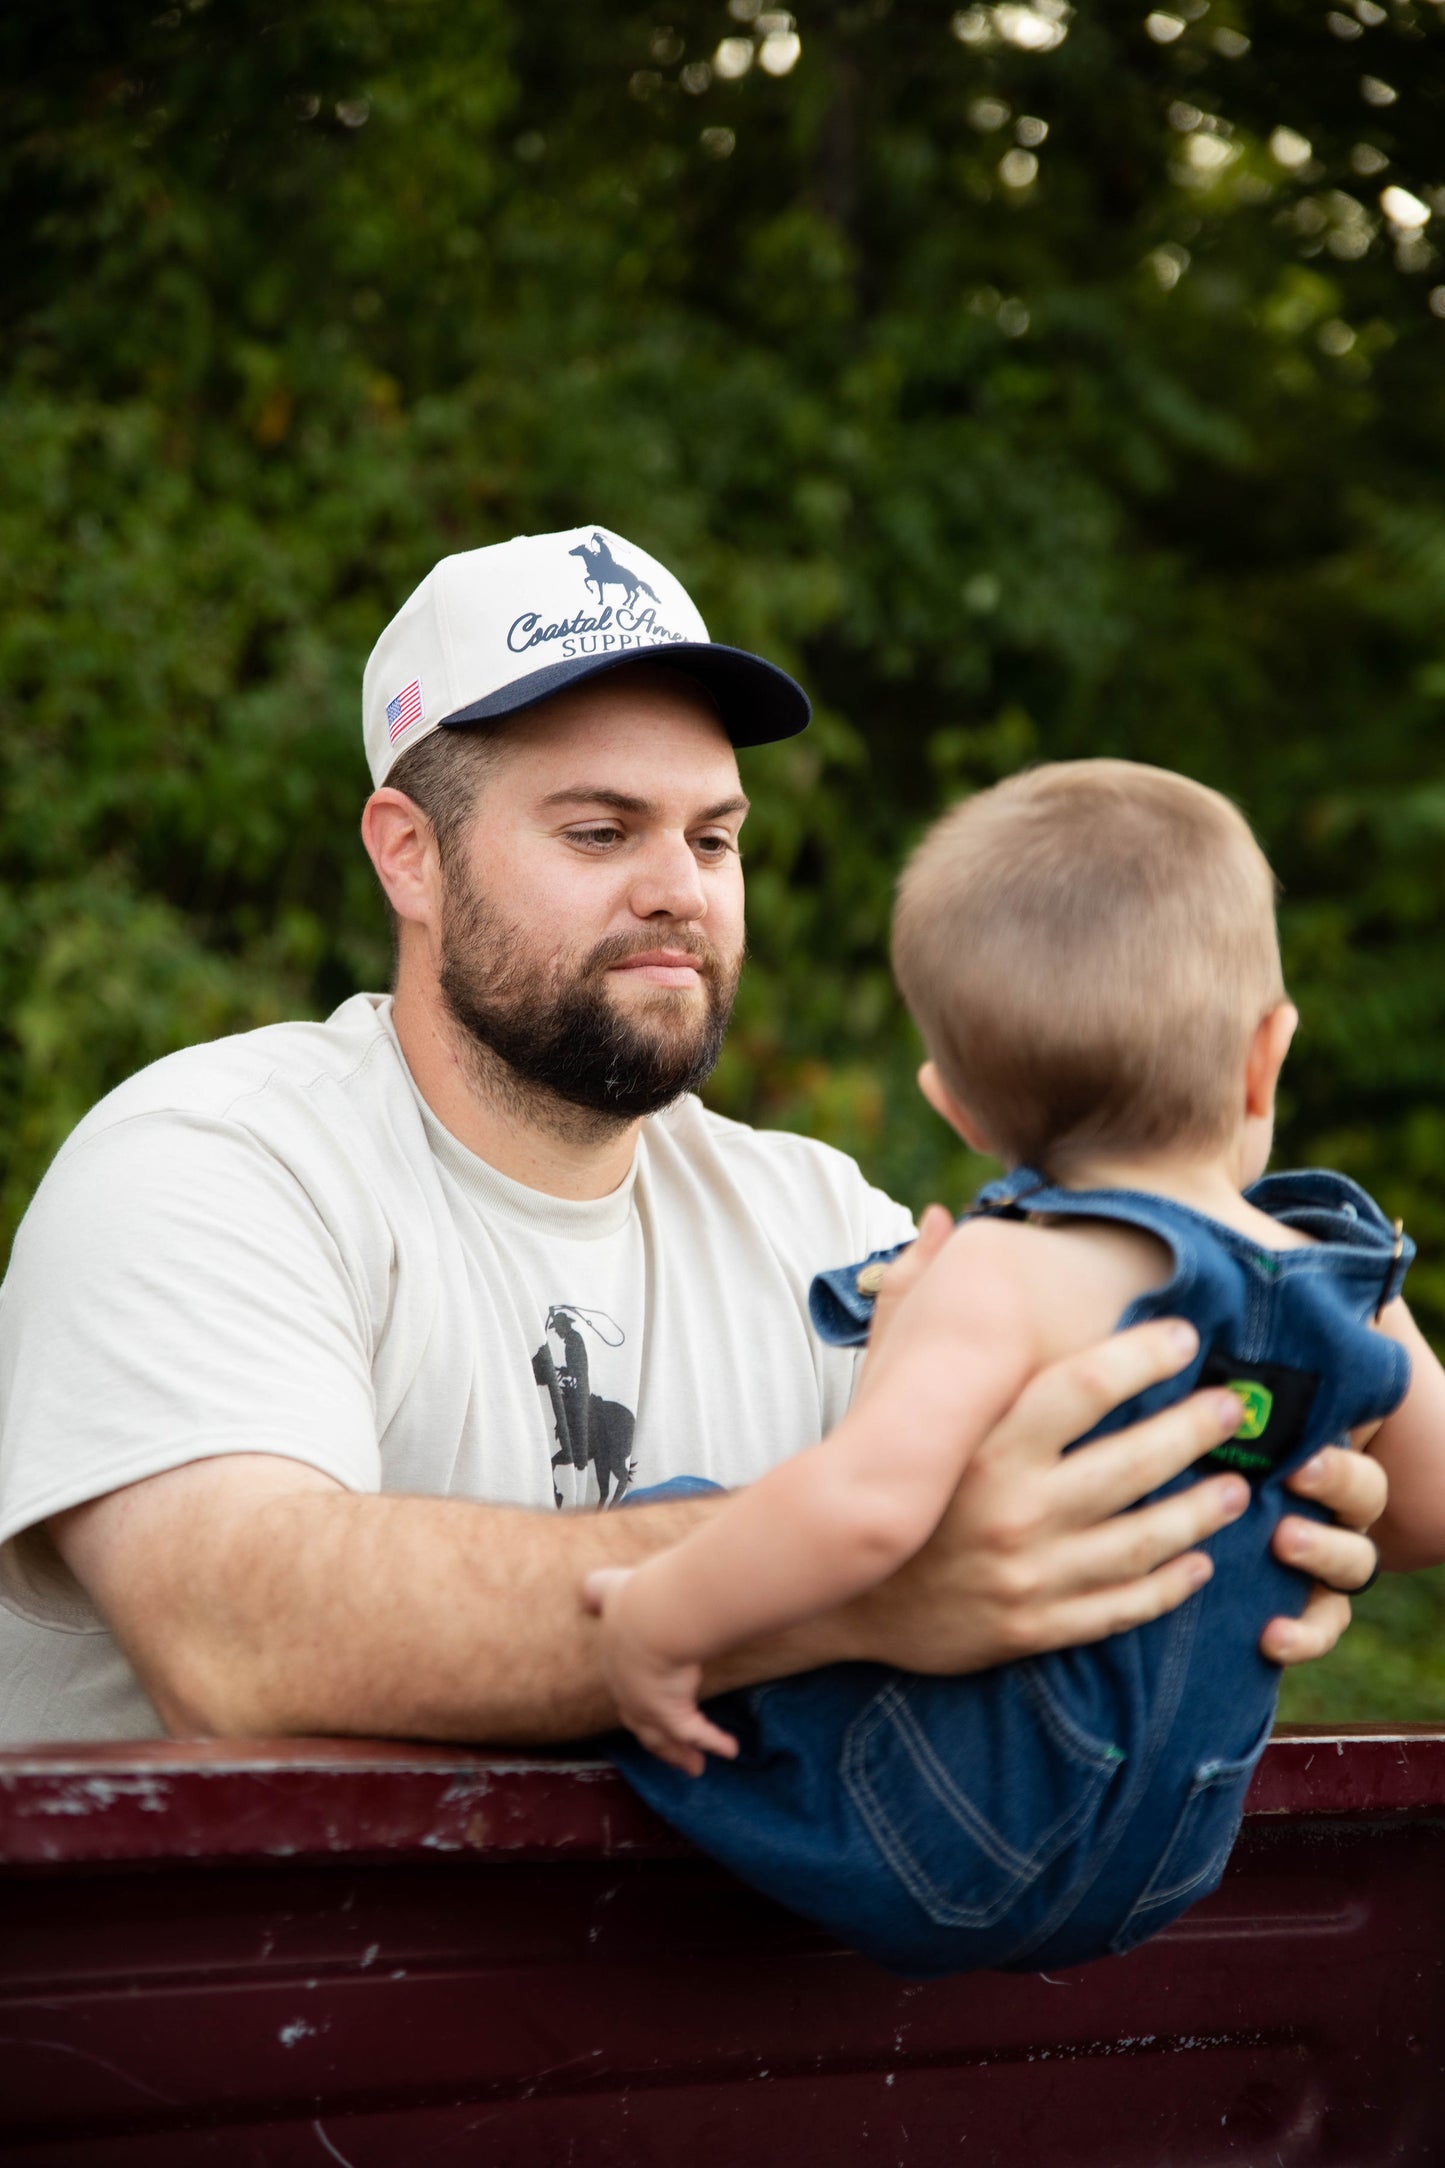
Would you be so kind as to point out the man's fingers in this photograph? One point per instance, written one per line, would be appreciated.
(1070, 1397)
(1132, 1544)
(934, 1229)
(1114, 1473)
(1341, 1558)
(906, 1271)
(1314, 1633)
(1353, 1486)
(1082, 1619)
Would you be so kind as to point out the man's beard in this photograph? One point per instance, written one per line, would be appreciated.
(555, 1044)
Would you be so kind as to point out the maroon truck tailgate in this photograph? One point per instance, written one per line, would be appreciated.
(312, 1951)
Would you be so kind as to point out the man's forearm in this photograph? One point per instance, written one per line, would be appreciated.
(315, 1610)
(407, 1617)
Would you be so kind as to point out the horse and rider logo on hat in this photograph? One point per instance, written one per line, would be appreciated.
(631, 620)
(601, 570)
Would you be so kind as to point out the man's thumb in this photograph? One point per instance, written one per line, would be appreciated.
(906, 1271)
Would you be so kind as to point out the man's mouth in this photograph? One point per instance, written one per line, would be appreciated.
(661, 967)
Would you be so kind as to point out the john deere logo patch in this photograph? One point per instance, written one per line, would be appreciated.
(1275, 1402)
(1258, 1407)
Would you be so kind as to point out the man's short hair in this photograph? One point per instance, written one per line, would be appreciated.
(443, 776)
(1087, 950)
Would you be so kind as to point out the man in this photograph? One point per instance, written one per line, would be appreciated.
(310, 1332)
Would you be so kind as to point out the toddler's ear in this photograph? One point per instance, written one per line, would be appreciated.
(957, 1116)
(1267, 1053)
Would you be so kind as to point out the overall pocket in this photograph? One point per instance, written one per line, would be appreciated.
(972, 1787)
(1203, 1838)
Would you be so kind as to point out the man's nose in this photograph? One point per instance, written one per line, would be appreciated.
(668, 883)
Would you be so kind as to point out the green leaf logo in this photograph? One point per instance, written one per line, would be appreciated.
(1258, 1407)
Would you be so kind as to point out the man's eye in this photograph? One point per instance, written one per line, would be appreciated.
(714, 846)
(594, 839)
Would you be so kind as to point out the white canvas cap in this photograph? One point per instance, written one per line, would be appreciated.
(493, 630)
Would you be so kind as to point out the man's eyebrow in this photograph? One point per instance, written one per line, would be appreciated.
(620, 801)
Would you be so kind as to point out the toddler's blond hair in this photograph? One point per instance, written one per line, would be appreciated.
(1087, 949)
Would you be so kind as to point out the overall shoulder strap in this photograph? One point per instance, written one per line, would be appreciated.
(1025, 1193)
(1332, 1208)
(1009, 1196)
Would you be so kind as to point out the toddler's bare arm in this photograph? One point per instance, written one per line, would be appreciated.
(1410, 1447)
(833, 1522)
(822, 1527)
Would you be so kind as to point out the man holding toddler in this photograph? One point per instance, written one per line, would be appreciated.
(309, 1332)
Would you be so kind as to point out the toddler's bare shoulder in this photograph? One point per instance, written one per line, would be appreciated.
(1072, 1280)
(1023, 1252)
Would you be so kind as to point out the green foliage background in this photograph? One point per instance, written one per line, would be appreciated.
(1135, 452)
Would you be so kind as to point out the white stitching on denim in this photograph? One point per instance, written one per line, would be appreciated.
(1151, 1898)
(1213, 1776)
(1178, 1629)
(891, 1705)
(1254, 1313)
(919, 1750)
(856, 1784)
(1033, 1677)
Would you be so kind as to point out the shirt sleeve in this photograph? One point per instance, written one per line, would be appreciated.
(174, 1294)
(888, 1225)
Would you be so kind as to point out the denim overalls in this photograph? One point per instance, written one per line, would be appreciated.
(1059, 1808)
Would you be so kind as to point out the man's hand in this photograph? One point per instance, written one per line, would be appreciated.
(1341, 1558)
(1040, 1549)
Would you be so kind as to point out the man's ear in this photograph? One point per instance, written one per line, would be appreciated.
(957, 1116)
(1267, 1051)
(402, 846)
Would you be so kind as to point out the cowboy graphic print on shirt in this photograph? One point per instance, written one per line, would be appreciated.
(593, 1463)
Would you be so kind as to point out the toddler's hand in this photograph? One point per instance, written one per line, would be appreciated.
(656, 1697)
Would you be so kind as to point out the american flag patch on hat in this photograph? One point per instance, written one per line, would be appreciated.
(405, 710)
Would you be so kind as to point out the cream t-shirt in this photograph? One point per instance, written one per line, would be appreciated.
(270, 1244)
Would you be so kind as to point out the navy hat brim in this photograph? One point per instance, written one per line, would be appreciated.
(757, 702)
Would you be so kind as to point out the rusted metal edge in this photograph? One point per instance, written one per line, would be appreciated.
(299, 1799)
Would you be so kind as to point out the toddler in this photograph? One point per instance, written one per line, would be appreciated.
(1089, 952)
